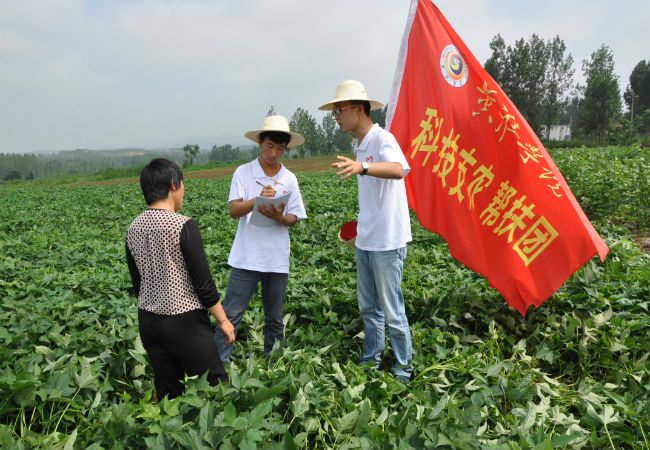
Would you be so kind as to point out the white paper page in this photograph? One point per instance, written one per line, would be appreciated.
(260, 219)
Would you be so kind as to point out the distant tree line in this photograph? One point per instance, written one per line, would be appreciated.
(320, 139)
(29, 166)
(537, 75)
(323, 138)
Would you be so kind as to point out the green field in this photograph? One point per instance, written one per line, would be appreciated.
(574, 373)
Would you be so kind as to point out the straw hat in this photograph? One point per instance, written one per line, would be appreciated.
(276, 123)
(350, 90)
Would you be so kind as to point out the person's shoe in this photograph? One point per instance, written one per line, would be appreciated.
(403, 379)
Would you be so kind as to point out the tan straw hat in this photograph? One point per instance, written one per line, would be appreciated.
(350, 90)
(276, 123)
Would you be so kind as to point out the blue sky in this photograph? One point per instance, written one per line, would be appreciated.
(114, 74)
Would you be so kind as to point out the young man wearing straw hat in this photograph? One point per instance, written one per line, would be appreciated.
(261, 254)
(383, 228)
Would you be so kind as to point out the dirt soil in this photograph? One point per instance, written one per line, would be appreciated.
(643, 241)
(294, 165)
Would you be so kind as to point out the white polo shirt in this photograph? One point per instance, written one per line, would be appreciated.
(383, 222)
(263, 249)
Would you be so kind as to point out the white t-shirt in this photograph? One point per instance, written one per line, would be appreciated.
(384, 222)
(263, 249)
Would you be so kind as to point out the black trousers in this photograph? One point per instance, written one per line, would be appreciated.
(177, 345)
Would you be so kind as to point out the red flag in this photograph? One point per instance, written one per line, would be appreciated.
(479, 176)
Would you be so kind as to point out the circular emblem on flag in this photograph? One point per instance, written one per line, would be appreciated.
(453, 66)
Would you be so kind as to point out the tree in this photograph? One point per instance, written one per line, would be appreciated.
(224, 153)
(335, 140)
(271, 112)
(557, 81)
(378, 116)
(215, 154)
(570, 111)
(343, 141)
(520, 71)
(305, 124)
(602, 102)
(637, 98)
(536, 75)
(496, 63)
(329, 127)
(12, 175)
(190, 152)
(640, 86)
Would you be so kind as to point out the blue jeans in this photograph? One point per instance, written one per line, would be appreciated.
(381, 303)
(242, 285)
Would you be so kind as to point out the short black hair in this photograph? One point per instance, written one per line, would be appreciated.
(365, 103)
(156, 179)
(279, 137)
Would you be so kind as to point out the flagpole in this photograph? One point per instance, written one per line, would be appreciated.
(399, 68)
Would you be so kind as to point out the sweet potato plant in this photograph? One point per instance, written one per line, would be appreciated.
(573, 373)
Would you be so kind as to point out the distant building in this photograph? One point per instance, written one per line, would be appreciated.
(558, 133)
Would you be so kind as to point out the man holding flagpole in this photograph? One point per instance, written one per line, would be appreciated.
(383, 229)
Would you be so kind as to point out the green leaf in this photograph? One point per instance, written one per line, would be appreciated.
(42, 350)
(157, 441)
(260, 412)
(617, 347)
(356, 420)
(235, 380)
(241, 422)
(364, 416)
(355, 391)
(85, 378)
(300, 405)
(171, 407)
(205, 418)
(70, 440)
(562, 441)
(494, 369)
(348, 422)
(529, 419)
(229, 414)
(288, 443)
(382, 417)
(7, 440)
(26, 396)
(97, 400)
(338, 373)
(264, 392)
(311, 424)
(546, 354)
(608, 415)
(440, 406)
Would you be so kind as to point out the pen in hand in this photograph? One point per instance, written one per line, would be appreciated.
(264, 187)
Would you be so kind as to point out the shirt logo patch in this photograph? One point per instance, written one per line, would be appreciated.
(369, 159)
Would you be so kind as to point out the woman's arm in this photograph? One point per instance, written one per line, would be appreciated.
(202, 281)
(133, 270)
